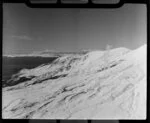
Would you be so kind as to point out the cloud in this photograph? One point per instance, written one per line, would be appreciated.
(21, 37)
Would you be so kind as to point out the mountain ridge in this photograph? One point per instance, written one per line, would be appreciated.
(96, 85)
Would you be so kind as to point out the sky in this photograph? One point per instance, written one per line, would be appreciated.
(27, 30)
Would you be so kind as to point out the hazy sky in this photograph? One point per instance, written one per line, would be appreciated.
(28, 29)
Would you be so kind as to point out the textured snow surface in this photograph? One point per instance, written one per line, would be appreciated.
(96, 85)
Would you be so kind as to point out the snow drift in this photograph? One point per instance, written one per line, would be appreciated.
(95, 85)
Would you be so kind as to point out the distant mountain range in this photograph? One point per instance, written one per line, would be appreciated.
(47, 54)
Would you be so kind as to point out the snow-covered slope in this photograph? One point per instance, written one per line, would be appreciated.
(96, 85)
